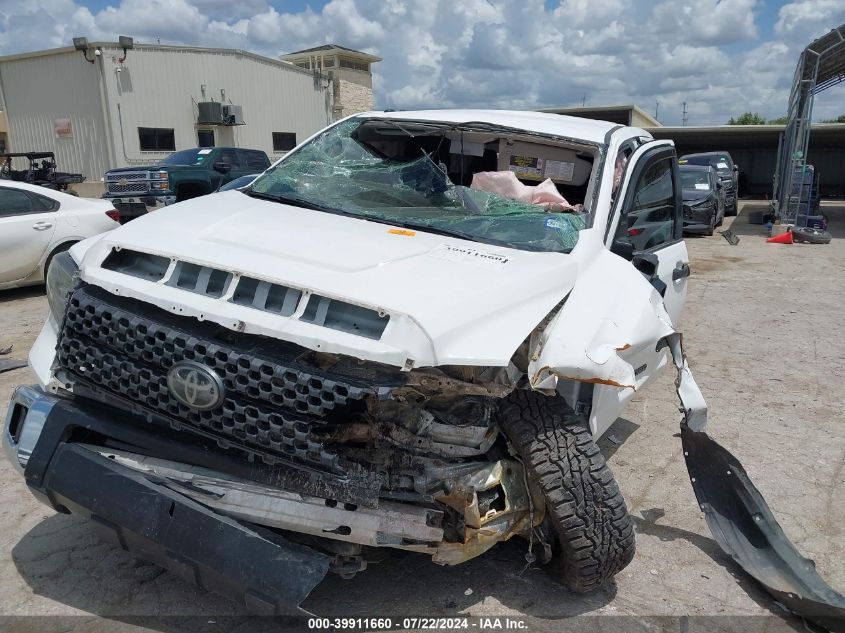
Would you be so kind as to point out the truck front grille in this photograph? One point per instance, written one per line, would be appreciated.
(128, 182)
(271, 407)
(130, 187)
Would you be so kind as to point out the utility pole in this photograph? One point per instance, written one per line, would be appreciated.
(685, 118)
(584, 100)
(656, 108)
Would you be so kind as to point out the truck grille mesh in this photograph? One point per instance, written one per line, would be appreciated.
(270, 407)
(130, 187)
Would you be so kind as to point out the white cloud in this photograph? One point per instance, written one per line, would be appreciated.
(493, 53)
(716, 22)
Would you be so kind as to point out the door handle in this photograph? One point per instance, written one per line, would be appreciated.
(681, 271)
(42, 226)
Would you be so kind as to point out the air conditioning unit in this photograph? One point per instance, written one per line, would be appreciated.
(233, 115)
(209, 112)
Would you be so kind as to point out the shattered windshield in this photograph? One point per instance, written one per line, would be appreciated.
(337, 172)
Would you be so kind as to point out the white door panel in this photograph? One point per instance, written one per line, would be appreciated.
(673, 269)
(25, 233)
(648, 217)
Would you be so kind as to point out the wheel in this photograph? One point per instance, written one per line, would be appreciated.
(585, 511)
(712, 226)
(810, 236)
(731, 210)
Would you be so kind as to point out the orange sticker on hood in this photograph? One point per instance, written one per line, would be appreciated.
(402, 232)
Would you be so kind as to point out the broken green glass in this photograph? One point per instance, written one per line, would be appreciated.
(339, 173)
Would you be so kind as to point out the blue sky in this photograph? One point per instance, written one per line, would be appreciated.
(721, 57)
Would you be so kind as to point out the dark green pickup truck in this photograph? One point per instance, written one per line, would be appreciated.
(182, 175)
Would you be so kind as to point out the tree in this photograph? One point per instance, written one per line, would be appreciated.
(781, 120)
(747, 118)
(839, 119)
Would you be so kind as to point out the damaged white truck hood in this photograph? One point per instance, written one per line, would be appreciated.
(449, 301)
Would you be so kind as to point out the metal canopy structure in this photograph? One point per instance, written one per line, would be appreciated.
(820, 66)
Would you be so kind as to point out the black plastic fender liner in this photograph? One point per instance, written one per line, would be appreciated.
(152, 522)
(745, 528)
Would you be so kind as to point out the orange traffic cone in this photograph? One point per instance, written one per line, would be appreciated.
(783, 238)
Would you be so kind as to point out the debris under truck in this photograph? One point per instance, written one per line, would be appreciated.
(408, 333)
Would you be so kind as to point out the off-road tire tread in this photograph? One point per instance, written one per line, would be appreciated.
(586, 508)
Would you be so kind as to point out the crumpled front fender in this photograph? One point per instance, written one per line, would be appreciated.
(612, 322)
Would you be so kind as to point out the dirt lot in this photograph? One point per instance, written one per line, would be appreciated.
(763, 330)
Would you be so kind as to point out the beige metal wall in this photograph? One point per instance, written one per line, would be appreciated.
(39, 90)
(159, 87)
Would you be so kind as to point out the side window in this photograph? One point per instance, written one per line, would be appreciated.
(647, 219)
(229, 156)
(13, 202)
(254, 160)
(43, 203)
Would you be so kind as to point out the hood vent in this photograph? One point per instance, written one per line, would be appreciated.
(266, 296)
(135, 264)
(345, 317)
(250, 292)
(200, 279)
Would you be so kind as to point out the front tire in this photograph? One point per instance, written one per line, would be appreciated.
(712, 226)
(584, 507)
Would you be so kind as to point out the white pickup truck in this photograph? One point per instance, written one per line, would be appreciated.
(408, 333)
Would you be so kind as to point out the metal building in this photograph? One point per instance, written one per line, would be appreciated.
(101, 106)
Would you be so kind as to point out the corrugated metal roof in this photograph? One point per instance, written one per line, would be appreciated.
(331, 47)
(831, 51)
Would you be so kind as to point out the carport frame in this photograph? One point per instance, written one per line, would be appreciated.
(820, 66)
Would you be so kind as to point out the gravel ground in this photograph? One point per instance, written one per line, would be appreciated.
(763, 332)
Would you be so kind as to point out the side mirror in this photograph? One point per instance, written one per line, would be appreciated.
(623, 248)
(736, 167)
(647, 264)
(223, 167)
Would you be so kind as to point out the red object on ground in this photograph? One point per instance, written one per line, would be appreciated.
(783, 238)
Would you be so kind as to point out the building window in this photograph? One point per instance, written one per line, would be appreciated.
(156, 139)
(284, 141)
(205, 138)
(346, 63)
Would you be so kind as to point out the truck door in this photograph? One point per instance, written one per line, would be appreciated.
(646, 228)
(649, 221)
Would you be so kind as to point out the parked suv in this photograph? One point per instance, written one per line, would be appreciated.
(725, 168)
(704, 199)
(182, 175)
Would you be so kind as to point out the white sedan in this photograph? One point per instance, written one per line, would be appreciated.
(36, 223)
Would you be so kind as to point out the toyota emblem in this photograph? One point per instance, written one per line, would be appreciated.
(195, 385)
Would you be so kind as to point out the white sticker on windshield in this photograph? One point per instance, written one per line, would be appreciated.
(204, 151)
(461, 254)
(703, 186)
(721, 165)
